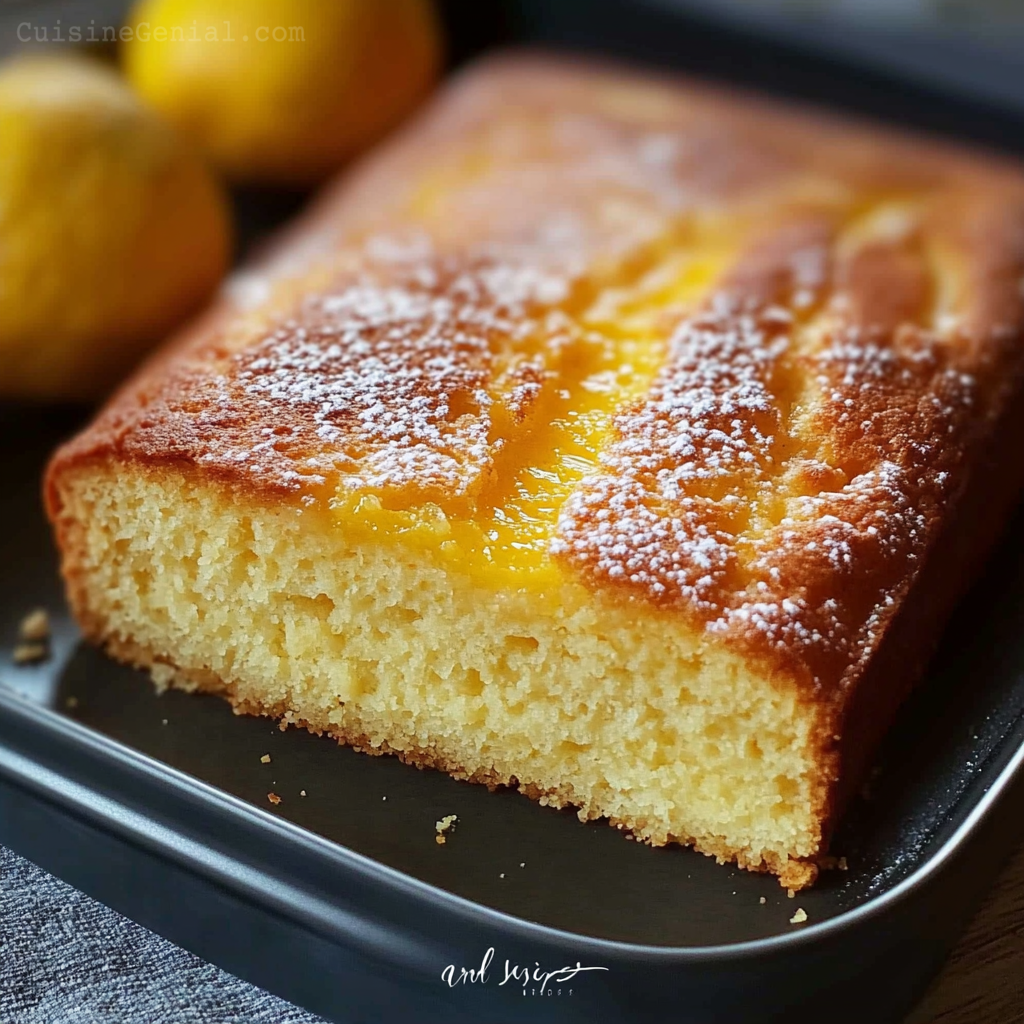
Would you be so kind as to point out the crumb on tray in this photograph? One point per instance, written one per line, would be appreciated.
(762, 901)
(302, 792)
(443, 826)
(274, 798)
(799, 917)
(833, 864)
(265, 759)
(29, 654)
(35, 627)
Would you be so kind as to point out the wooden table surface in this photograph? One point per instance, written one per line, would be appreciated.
(983, 982)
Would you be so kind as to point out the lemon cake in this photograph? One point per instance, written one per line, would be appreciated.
(611, 437)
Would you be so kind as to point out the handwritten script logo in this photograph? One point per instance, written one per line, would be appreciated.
(533, 980)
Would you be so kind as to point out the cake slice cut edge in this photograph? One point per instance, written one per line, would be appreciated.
(563, 697)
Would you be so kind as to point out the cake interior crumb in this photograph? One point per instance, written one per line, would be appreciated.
(274, 798)
(302, 792)
(422, 640)
(762, 901)
(265, 759)
(799, 917)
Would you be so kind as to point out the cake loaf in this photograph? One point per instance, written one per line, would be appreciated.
(616, 438)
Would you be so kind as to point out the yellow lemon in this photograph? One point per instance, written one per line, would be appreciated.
(282, 91)
(111, 229)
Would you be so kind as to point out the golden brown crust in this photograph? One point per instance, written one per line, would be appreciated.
(818, 413)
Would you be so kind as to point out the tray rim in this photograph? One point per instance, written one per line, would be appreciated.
(194, 854)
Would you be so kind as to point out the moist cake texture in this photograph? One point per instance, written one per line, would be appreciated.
(618, 439)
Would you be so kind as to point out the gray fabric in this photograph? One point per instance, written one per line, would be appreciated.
(66, 959)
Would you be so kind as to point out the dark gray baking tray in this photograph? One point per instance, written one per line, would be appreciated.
(341, 900)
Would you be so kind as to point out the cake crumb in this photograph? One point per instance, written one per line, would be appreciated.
(302, 792)
(274, 798)
(28, 654)
(502, 875)
(790, 893)
(762, 901)
(35, 627)
(163, 721)
(265, 759)
(833, 864)
(383, 798)
(443, 826)
(522, 863)
(799, 917)
(71, 702)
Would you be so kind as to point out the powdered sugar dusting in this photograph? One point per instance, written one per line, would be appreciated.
(664, 512)
(714, 497)
(394, 378)
(398, 367)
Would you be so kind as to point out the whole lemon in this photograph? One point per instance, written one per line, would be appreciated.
(282, 91)
(111, 228)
